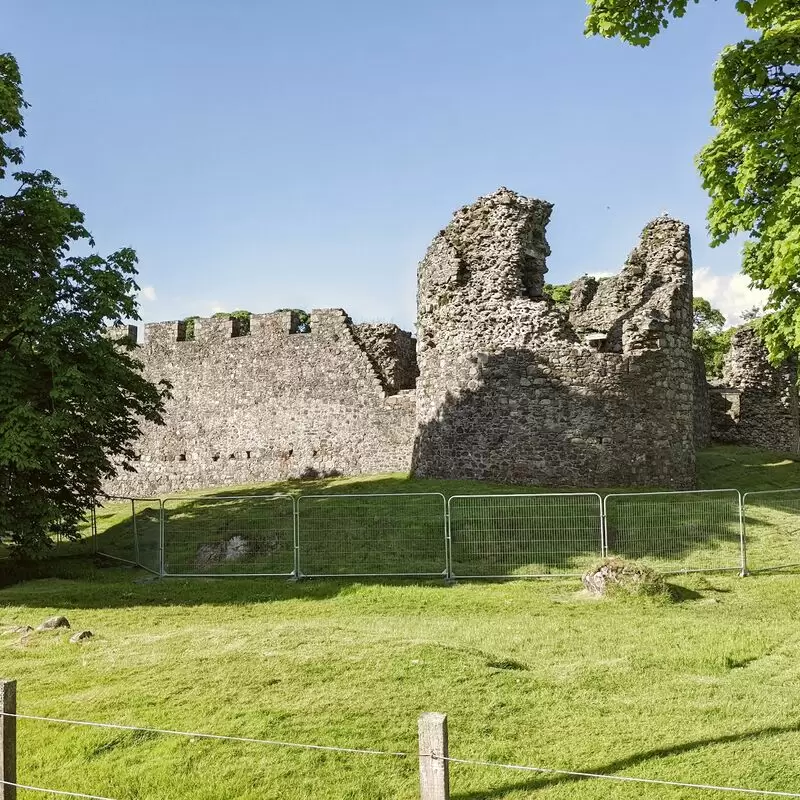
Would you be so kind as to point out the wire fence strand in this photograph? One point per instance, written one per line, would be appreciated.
(618, 778)
(374, 752)
(196, 735)
(55, 791)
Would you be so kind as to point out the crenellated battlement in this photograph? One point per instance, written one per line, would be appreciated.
(325, 323)
(389, 351)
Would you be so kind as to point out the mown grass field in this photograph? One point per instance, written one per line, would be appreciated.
(703, 690)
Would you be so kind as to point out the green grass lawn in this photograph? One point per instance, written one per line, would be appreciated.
(704, 690)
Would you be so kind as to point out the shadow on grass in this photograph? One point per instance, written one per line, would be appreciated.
(72, 567)
(683, 594)
(748, 469)
(97, 583)
(403, 533)
(72, 583)
(611, 768)
(345, 538)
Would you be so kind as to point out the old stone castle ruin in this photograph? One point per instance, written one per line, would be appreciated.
(502, 383)
(754, 403)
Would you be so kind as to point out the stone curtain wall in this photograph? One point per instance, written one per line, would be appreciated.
(702, 408)
(511, 390)
(755, 403)
(274, 404)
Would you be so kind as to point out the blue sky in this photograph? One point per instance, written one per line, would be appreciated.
(262, 154)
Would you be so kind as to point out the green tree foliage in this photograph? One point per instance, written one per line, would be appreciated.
(713, 347)
(705, 316)
(71, 399)
(751, 168)
(709, 338)
(559, 293)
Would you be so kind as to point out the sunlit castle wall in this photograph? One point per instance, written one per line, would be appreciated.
(269, 402)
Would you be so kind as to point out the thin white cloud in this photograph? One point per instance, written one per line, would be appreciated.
(731, 294)
(148, 293)
(601, 274)
(216, 309)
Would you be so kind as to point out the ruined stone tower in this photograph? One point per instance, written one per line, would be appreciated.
(755, 403)
(512, 388)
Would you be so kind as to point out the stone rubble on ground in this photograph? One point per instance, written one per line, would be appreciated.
(619, 573)
(233, 549)
(22, 629)
(52, 623)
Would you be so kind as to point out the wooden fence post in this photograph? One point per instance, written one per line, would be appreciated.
(434, 771)
(8, 740)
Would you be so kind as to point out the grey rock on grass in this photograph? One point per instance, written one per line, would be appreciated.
(52, 623)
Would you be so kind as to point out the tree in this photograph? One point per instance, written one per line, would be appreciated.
(709, 338)
(559, 293)
(751, 168)
(71, 397)
(749, 314)
(705, 316)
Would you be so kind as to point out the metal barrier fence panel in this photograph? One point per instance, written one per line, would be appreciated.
(147, 533)
(237, 535)
(524, 535)
(772, 529)
(372, 535)
(693, 531)
(88, 528)
(85, 529)
(115, 535)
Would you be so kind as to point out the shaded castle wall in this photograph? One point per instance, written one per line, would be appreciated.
(273, 404)
(702, 407)
(755, 403)
(393, 353)
(509, 387)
